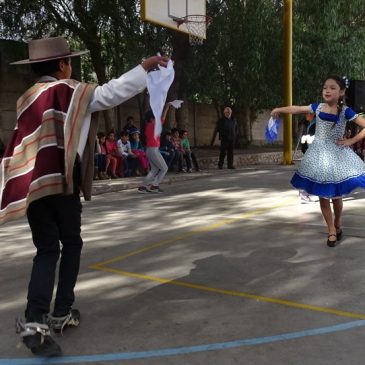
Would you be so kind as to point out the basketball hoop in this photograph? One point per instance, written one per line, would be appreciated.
(196, 25)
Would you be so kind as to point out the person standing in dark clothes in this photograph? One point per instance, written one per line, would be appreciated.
(227, 129)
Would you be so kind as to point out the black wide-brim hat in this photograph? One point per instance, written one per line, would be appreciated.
(47, 49)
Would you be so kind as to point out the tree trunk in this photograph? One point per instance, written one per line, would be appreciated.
(181, 52)
(99, 67)
(243, 118)
(142, 106)
(218, 109)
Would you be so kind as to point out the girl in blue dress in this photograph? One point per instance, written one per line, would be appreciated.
(329, 168)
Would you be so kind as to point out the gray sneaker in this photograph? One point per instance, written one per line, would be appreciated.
(142, 190)
(155, 189)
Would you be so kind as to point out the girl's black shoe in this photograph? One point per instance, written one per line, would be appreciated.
(339, 233)
(332, 243)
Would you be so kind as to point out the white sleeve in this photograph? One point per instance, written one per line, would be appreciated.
(119, 90)
(120, 148)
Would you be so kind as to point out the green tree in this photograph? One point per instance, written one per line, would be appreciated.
(240, 63)
(329, 38)
(243, 55)
(110, 29)
(244, 50)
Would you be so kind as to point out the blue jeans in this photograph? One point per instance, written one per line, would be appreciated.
(100, 162)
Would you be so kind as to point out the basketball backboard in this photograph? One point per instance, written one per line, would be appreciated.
(163, 13)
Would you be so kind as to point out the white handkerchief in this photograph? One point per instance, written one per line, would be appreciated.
(176, 103)
(158, 84)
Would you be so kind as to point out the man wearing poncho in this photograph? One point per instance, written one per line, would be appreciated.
(48, 159)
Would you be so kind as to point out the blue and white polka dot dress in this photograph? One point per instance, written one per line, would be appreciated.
(327, 169)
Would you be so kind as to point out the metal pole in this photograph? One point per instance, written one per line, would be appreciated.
(288, 80)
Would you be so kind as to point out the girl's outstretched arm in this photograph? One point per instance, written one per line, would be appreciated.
(165, 110)
(292, 109)
(360, 121)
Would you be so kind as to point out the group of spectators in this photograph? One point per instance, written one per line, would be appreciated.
(123, 154)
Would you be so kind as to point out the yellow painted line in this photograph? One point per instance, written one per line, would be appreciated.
(197, 231)
(102, 267)
(232, 293)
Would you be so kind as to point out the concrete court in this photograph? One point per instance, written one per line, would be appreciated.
(226, 269)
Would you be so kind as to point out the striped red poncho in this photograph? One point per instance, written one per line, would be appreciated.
(39, 158)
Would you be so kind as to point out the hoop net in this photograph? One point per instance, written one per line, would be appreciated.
(197, 26)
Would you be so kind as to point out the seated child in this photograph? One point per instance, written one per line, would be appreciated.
(189, 155)
(138, 150)
(179, 155)
(101, 157)
(113, 154)
(129, 126)
(124, 147)
(167, 149)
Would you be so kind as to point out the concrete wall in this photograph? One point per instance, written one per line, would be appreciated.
(259, 126)
(14, 80)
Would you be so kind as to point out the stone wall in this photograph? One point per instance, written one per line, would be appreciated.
(14, 80)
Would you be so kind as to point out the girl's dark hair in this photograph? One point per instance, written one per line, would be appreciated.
(148, 117)
(342, 84)
(49, 67)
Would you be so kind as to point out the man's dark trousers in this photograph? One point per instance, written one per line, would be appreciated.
(226, 148)
(54, 219)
